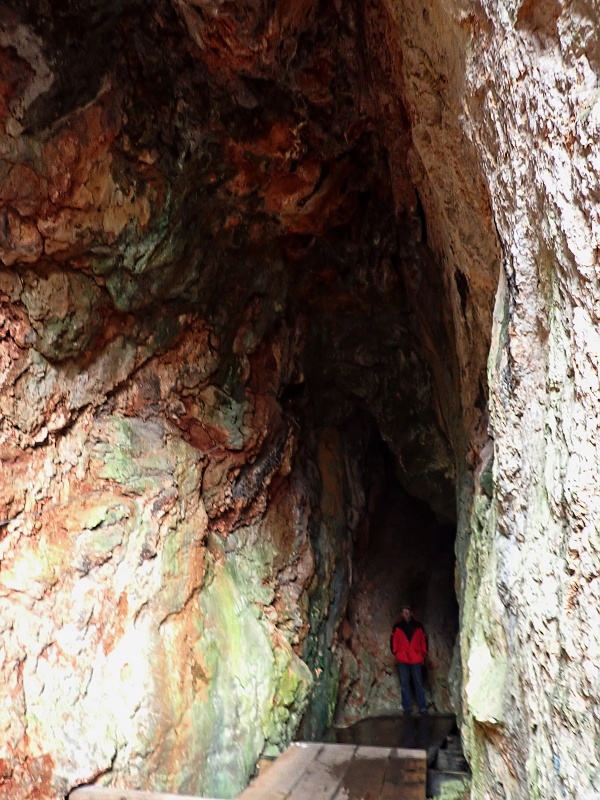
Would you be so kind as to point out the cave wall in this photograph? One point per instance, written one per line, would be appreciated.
(174, 571)
(539, 582)
(517, 83)
(423, 50)
(188, 248)
(132, 637)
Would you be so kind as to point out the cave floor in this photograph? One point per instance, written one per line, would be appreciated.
(424, 732)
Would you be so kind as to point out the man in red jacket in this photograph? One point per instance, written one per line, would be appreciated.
(409, 644)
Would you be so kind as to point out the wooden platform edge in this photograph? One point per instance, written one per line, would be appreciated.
(110, 793)
(404, 752)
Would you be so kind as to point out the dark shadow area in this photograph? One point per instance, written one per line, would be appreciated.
(424, 732)
(402, 554)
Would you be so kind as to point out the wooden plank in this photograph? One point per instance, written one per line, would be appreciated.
(324, 776)
(409, 766)
(110, 793)
(404, 752)
(365, 775)
(371, 752)
(406, 776)
(279, 780)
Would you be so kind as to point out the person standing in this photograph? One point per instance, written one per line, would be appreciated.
(409, 644)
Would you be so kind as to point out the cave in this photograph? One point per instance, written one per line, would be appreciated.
(299, 324)
(245, 363)
(242, 371)
(402, 553)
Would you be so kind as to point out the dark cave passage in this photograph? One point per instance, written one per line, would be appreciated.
(378, 547)
(401, 554)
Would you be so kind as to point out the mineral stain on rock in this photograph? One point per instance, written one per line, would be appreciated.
(298, 323)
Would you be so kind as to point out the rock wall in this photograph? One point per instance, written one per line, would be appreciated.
(235, 241)
(538, 584)
(132, 637)
(173, 562)
(502, 102)
(517, 84)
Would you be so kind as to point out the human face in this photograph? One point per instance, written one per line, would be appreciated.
(406, 614)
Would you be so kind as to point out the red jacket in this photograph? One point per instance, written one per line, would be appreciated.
(408, 642)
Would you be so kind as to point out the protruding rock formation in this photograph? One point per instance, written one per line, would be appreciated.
(249, 254)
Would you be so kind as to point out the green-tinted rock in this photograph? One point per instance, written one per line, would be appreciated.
(459, 789)
(236, 657)
(133, 454)
(64, 312)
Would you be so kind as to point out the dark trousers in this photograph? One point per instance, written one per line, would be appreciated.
(406, 672)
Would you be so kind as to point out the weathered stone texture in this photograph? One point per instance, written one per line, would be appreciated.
(528, 104)
(503, 105)
(127, 633)
(186, 254)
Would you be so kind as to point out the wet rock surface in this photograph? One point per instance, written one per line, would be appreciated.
(421, 732)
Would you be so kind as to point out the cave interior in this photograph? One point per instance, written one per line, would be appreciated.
(263, 187)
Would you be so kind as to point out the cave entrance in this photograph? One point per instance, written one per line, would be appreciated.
(402, 554)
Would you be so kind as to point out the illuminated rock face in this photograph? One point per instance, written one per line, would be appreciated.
(522, 80)
(533, 562)
(248, 260)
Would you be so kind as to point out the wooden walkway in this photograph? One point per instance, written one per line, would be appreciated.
(342, 772)
(307, 771)
(92, 792)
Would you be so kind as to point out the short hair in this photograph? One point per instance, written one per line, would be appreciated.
(406, 605)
